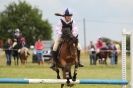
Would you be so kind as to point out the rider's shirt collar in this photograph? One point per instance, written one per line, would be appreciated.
(67, 22)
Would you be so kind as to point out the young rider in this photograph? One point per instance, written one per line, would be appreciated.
(65, 22)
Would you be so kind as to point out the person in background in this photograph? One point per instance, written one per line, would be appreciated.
(39, 46)
(8, 51)
(20, 38)
(92, 53)
(99, 44)
(113, 54)
(118, 52)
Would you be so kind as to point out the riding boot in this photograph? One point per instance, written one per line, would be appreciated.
(79, 63)
(54, 55)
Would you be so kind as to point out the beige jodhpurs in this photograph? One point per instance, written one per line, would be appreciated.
(57, 42)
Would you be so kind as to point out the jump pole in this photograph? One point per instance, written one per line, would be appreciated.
(122, 82)
(61, 81)
(131, 57)
(124, 34)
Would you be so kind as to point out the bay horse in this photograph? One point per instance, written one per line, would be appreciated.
(24, 53)
(67, 57)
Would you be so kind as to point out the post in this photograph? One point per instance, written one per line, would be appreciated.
(124, 56)
(131, 57)
(84, 27)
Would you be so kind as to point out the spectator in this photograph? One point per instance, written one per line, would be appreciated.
(8, 51)
(92, 53)
(99, 45)
(118, 52)
(39, 46)
(113, 51)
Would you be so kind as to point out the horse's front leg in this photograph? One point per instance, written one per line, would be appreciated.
(15, 60)
(75, 72)
(67, 72)
(58, 73)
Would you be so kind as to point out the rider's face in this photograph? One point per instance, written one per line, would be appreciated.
(68, 18)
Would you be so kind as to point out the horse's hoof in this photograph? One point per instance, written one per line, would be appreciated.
(68, 82)
(80, 65)
(58, 77)
(73, 79)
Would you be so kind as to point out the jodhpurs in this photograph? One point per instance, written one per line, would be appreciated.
(57, 42)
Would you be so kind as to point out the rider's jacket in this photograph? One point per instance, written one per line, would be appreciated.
(63, 24)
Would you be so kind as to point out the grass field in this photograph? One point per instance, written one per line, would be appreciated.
(43, 71)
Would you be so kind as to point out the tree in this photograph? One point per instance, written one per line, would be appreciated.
(27, 19)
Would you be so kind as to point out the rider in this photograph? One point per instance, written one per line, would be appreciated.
(99, 45)
(66, 22)
(20, 38)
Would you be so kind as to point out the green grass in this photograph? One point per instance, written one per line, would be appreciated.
(43, 71)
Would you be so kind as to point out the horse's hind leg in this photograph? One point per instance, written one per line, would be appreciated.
(62, 85)
(17, 60)
(58, 75)
(70, 75)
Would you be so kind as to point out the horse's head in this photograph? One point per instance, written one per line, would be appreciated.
(24, 52)
(68, 36)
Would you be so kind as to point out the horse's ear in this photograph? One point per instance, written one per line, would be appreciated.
(77, 36)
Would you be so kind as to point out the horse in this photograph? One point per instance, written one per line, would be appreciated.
(24, 53)
(67, 57)
(102, 55)
(15, 53)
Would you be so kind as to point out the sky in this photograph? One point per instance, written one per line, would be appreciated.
(103, 18)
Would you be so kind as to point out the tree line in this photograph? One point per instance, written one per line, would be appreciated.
(28, 19)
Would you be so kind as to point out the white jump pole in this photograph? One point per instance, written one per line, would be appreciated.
(131, 57)
(59, 81)
(124, 34)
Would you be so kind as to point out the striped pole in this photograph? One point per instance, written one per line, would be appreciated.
(124, 34)
(61, 81)
(131, 57)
